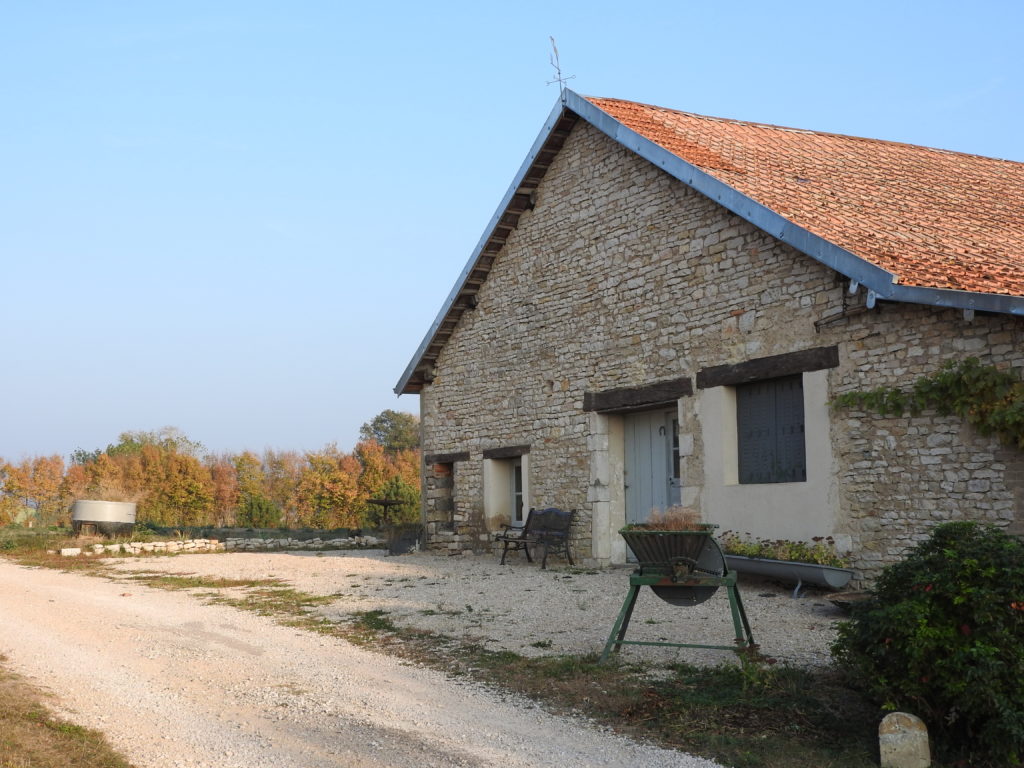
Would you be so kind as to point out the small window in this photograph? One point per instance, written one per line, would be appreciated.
(506, 490)
(770, 431)
(517, 492)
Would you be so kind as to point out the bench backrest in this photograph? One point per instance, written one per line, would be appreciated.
(533, 520)
(550, 522)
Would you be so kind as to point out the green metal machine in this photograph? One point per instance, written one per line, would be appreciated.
(683, 568)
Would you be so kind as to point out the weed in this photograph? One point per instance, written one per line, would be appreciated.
(375, 621)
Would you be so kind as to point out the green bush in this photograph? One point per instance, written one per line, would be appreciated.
(258, 511)
(942, 636)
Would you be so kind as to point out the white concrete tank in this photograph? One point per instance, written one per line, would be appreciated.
(89, 516)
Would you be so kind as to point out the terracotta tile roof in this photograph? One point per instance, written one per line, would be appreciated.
(934, 218)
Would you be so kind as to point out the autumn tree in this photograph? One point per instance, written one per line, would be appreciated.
(13, 490)
(36, 483)
(174, 485)
(179, 490)
(394, 430)
(225, 488)
(255, 507)
(328, 489)
(282, 471)
(113, 480)
(168, 439)
(249, 474)
(374, 471)
(48, 489)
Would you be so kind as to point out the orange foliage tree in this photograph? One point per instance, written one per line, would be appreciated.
(327, 490)
(163, 472)
(225, 488)
(37, 484)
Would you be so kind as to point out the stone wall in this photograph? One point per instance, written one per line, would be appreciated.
(447, 528)
(179, 546)
(621, 277)
(147, 547)
(900, 476)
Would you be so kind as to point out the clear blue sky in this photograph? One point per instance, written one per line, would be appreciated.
(240, 218)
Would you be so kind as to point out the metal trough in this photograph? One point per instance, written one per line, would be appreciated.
(109, 518)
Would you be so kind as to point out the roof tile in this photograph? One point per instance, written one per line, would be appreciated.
(934, 218)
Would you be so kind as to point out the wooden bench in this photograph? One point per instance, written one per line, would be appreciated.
(547, 528)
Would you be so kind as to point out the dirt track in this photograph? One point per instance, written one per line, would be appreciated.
(174, 682)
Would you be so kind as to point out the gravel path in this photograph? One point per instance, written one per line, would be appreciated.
(520, 608)
(177, 683)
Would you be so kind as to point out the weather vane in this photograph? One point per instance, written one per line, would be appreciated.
(559, 77)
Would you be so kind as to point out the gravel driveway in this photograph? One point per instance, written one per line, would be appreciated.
(175, 682)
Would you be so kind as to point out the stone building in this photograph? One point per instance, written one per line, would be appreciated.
(664, 305)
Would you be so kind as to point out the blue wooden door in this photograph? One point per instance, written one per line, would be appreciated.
(651, 463)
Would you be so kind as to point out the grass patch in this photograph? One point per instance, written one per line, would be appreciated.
(750, 717)
(31, 737)
(374, 621)
(280, 601)
(175, 581)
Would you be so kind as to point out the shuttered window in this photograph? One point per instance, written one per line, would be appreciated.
(770, 431)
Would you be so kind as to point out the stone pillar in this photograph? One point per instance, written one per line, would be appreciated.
(903, 741)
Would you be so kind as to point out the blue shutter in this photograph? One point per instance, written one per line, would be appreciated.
(755, 414)
(790, 452)
(770, 431)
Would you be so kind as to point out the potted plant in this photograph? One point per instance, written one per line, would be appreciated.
(815, 562)
(674, 536)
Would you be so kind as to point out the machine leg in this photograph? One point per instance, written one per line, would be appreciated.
(744, 637)
(621, 623)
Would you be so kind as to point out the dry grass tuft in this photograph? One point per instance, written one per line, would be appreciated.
(31, 737)
(674, 519)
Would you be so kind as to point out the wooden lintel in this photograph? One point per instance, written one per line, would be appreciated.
(638, 398)
(772, 367)
(446, 458)
(506, 452)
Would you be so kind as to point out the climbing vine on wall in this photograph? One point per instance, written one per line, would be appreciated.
(990, 399)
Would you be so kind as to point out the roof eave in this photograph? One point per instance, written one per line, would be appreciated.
(557, 113)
